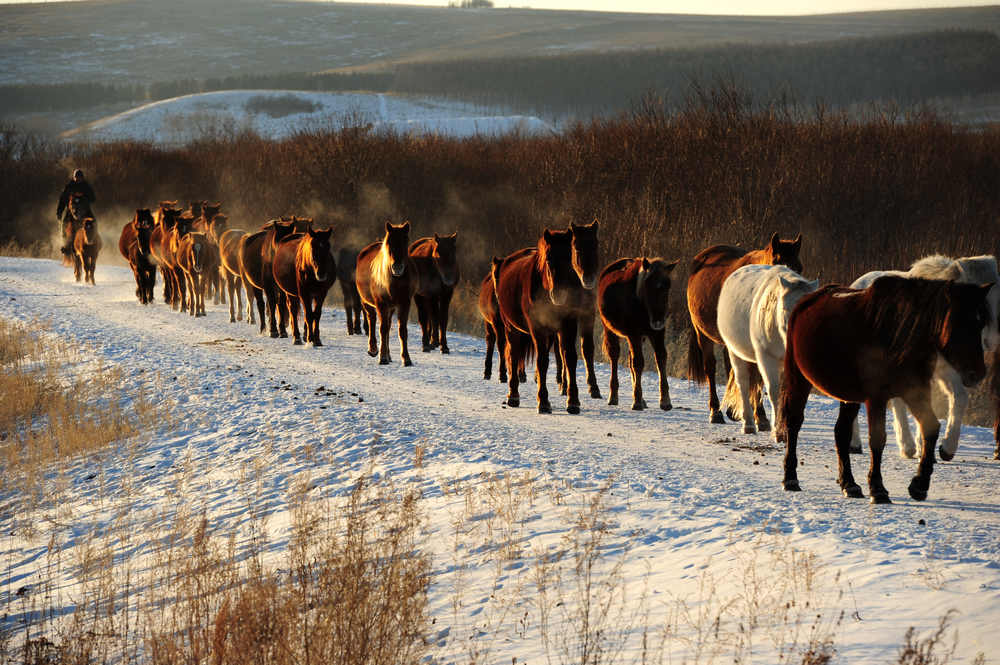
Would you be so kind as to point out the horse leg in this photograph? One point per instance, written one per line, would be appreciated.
(384, 323)
(317, 314)
(567, 343)
(403, 310)
(258, 297)
(842, 433)
(794, 395)
(77, 266)
(434, 328)
(444, 303)
(542, 342)
(612, 349)
(919, 402)
(364, 319)
(272, 322)
(770, 374)
(166, 284)
(958, 400)
(757, 399)
(560, 372)
(658, 342)
(491, 338)
(283, 314)
(370, 320)
(349, 315)
(876, 440)
(586, 325)
(423, 315)
(292, 303)
(515, 352)
(900, 423)
(742, 370)
(501, 334)
(636, 365)
(231, 287)
(202, 284)
(708, 365)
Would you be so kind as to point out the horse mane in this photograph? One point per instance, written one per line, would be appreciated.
(935, 266)
(542, 249)
(381, 264)
(304, 248)
(905, 313)
(417, 244)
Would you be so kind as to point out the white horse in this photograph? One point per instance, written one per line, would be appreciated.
(971, 270)
(755, 304)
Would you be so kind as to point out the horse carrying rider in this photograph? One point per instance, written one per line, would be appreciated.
(76, 186)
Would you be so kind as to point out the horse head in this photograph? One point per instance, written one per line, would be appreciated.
(210, 210)
(183, 224)
(961, 337)
(79, 206)
(279, 231)
(652, 287)
(301, 224)
(555, 263)
(168, 219)
(792, 286)
(396, 245)
(198, 246)
(89, 226)
(315, 254)
(217, 226)
(785, 252)
(585, 254)
(195, 208)
(446, 258)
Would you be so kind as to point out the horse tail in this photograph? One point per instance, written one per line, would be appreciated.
(791, 376)
(696, 360)
(732, 405)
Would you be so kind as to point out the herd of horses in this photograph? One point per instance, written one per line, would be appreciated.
(881, 342)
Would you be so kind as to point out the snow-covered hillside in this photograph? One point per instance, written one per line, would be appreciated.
(686, 498)
(277, 114)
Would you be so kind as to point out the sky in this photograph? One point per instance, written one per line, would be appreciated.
(728, 7)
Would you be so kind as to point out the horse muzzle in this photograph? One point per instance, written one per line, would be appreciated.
(971, 377)
(589, 284)
(320, 276)
(559, 297)
(398, 269)
(658, 325)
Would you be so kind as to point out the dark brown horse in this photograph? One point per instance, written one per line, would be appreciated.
(229, 260)
(164, 218)
(304, 270)
(493, 322)
(256, 255)
(178, 285)
(539, 296)
(195, 260)
(142, 217)
(347, 263)
(77, 210)
(86, 247)
(586, 264)
(386, 281)
(867, 346)
(436, 263)
(632, 299)
(709, 269)
(135, 237)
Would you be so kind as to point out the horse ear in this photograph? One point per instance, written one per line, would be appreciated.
(454, 235)
(814, 284)
(594, 225)
(774, 240)
(645, 263)
(672, 265)
(785, 282)
(436, 238)
(547, 235)
(388, 226)
(797, 243)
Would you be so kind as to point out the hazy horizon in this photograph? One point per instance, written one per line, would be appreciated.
(696, 7)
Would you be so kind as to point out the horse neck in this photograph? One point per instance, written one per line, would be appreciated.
(382, 266)
(304, 257)
(753, 257)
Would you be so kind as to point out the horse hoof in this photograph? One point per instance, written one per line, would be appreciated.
(573, 409)
(372, 353)
(486, 376)
(514, 402)
(545, 408)
(780, 437)
(444, 350)
(595, 392)
(717, 419)
(407, 362)
(426, 348)
(283, 335)
(666, 406)
(749, 429)
(853, 492)
(316, 343)
(908, 453)
(854, 450)
(297, 342)
(638, 406)
(763, 426)
(731, 414)
(918, 488)
(384, 361)
(522, 377)
(273, 334)
(613, 400)
(791, 485)
(881, 498)
(945, 457)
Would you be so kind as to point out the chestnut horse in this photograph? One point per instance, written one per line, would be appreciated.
(164, 218)
(493, 322)
(229, 260)
(195, 260)
(347, 263)
(436, 263)
(539, 296)
(386, 281)
(204, 223)
(868, 346)
(86, 247)
(170, 245)
(304, 270)
(632, 297)
(77, 210)
(709, 269)
(142, 217)
(255, 256)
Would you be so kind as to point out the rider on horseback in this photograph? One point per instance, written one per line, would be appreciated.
(77, 186)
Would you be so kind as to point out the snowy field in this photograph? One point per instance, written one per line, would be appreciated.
(278, 114)
(687, 501)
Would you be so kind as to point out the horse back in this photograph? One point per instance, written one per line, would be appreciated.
(251, 259)
(229, 250)
(709, 269)
(125, 239)
(514, 287)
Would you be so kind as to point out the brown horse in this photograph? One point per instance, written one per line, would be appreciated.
(347, 263)
(632, 298)
(493, 322)
(229, 260)
(195, 260)
(86, 247)
(256, 255)
(386, 281)
(709, 269)
(304, 270)
(539, 296)
(586, 264)
(867, 346)
(178, 281)
(164, 218)
(77, 210)
(436, 263)
(142, 217)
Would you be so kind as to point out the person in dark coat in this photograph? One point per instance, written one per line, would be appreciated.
(75, 186)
